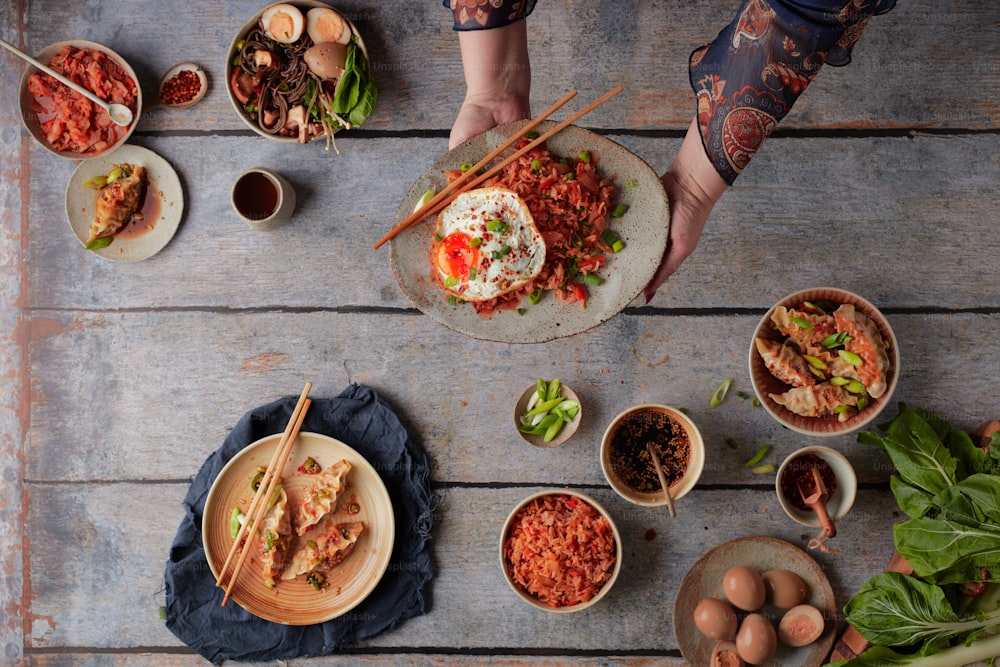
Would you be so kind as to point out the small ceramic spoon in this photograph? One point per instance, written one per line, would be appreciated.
(120, 114)
(817, 502)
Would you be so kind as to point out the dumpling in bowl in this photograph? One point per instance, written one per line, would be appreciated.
(867, 343)
(275, 535)
(821, 400)
(321, 497)
(785, 362)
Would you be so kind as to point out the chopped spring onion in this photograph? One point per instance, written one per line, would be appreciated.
(758, 457)
(619, 210)
(850, 357)
(763, 469)
(720, 393)
(593, 279)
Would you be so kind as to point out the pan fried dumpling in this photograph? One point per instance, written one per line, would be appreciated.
(785, 362)
(789, 322)
(867, 343)
(275, 535)
(321, 497)
(119, 201)
(816, 401)
(332, 544)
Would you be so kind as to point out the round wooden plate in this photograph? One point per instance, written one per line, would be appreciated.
(296, 602)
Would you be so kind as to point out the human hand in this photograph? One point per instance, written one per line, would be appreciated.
(478, 115)
(497, 79)
(693, 186)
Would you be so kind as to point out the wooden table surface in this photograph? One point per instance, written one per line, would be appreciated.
(119, 379)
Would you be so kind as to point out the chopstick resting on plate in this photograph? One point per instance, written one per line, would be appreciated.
(469, 180)
(259, 504)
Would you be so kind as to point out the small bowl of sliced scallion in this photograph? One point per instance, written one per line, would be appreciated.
(547, 414)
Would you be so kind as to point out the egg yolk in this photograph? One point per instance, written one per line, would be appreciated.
(456, 256)
(330, 26)
(281, 25)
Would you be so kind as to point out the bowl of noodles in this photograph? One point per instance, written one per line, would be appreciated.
(298, 72)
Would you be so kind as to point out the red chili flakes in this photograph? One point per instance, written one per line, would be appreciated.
(181, 87)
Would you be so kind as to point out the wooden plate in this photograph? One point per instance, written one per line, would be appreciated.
(704, 579)
(296, 602)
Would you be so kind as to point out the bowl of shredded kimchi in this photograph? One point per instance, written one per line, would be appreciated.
(67, 123)
(560, 551)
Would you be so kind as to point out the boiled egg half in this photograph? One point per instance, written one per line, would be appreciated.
(283, 23)
(326, 25)
(486, 244)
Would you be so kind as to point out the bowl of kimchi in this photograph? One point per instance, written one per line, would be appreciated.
(65, 122)
(560, 551)
(824, 361)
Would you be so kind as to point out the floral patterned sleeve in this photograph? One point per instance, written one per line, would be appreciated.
(482, 14)
(749, 77)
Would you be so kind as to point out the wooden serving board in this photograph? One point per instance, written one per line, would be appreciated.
(851, 644)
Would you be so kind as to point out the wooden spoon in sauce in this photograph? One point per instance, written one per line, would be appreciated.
(817, 502)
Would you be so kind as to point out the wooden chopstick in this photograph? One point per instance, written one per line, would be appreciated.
(466, 181)
(266, 487)
(421, 212)
(262, 511)
(663, 479)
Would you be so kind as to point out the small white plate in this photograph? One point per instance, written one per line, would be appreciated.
(163, 186)
(177, 69)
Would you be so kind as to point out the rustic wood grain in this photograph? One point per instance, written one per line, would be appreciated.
(120, 379)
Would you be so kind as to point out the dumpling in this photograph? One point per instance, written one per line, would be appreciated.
(785, 362)
(331, 545)
(820, 400)
(866, 342)
(790, 323)
(275, 535)
(119, 201)
(321, 497)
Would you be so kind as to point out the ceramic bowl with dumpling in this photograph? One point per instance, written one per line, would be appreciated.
(824, 361)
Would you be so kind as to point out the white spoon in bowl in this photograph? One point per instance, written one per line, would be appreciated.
(120, 114)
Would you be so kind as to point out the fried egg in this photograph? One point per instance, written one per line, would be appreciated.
(486, 244)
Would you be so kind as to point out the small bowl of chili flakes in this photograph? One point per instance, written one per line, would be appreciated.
(183, 86)
(838, 477)
(626, 462)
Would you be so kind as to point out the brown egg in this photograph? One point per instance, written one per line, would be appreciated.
(326, 59)
(756, 641)
(785, 589)
(716, 619)
(744, 587)
(801, 625)
(725, 655)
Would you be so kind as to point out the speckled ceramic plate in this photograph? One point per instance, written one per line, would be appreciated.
(704, 579)
(643, 230)
(296, 602)
(164, 197)
(765, 384)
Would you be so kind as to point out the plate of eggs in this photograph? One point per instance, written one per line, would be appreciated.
(477, 267)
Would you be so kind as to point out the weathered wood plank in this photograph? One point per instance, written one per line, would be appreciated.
(118, 534)
(118, 395)
(13, 351)
(858, 213)
(460, 658)
(908, 68)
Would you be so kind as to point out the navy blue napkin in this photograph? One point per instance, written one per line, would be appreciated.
(360, 418)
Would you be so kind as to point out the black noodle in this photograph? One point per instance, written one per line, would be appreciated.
(283, 87)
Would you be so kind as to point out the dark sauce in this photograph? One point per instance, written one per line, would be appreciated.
(255, 196)
(801, 469)
(145, 218)
(631, 461)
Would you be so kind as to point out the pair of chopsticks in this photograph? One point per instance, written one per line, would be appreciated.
(259, 505)
(469, 179)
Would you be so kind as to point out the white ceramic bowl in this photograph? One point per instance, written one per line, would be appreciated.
(567, 430)
(177, 69)
(530, 599)
(678, 489)
(249, 25)
(841, 500)
(30, 118)
(765, 384)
